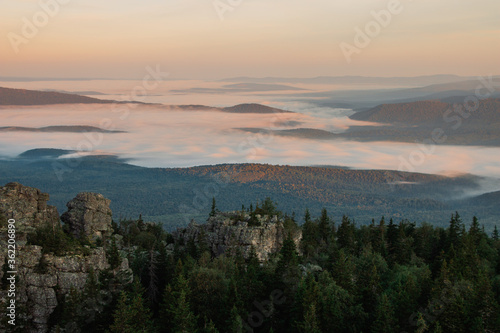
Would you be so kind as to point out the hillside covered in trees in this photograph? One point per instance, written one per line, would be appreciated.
(176, 195)
(10, 96)
(387, 277)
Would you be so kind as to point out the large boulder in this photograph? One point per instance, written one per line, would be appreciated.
(89, 216)
(28, 206)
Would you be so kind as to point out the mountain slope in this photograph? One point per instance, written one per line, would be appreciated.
(428, 113)
(10, 96)
(175, 195)
(253, 108)
(59, 129)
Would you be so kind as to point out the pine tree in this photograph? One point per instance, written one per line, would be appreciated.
(235, 321)
(153, 290)
(113, 255)
(475, 233)
(310, 324)
(307, 216)
(209, 327)
(131, 314)
(165, 316)
(324, 226)
(184, 321)
(213, 211)
(310, 236)
(455, 232)
(495, 235)
(385, 319)
(345, 235)
(287, 271)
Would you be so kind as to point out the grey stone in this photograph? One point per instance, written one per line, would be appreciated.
(89, 216)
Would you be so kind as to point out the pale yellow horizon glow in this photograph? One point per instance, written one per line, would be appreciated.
(290, 38)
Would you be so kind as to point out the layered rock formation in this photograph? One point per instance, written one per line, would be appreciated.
(28, 206)
(44, 278)
(89, 216)
(226, 232)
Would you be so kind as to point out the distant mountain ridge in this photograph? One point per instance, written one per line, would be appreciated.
(61, 129)
(9, 96)
(253, 108)
(427, 112)
(166, 194)
(416, 80)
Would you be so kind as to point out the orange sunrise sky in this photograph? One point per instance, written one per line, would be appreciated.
(223, 38)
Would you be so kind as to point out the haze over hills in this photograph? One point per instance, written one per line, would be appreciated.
(356, 80)
(430, 113)
(369, 98)
(413, 122)
(239, 88)
(60, 129)
(175, 195)
(253, 108)
(10, 96)
(88, 92)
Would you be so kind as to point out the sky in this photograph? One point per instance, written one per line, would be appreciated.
(214, 39)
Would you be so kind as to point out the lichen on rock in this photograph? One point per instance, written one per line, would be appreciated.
(225, 233)
(89, 216)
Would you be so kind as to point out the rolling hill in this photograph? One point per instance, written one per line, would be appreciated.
(176, 195)
(428, 113)
(59, 129)
(10, 96)
(253, 108)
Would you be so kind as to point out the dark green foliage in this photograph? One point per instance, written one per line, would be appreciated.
(54, 240)
(113, 255)
(131, 314)
(385, 318)
(166, 195)
(384, 277)
(213, 211)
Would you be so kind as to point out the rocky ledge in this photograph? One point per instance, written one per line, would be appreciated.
(226, 232)
(44, 278)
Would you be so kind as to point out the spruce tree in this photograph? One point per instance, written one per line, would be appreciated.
(213, 211)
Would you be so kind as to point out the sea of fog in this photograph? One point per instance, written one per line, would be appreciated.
(158, 137)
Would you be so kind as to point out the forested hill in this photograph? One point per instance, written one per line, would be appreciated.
(10, 96)
(252, 108)
(250, 270)
(491, 199)
(427, 112)
(175, 196)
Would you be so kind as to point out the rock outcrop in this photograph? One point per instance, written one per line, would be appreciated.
(43, 279)
(226, 232)
(89, 216)
(28, 206)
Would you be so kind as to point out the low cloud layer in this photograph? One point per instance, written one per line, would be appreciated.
(161, 138)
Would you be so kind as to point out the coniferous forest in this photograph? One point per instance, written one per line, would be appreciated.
(389, 276)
